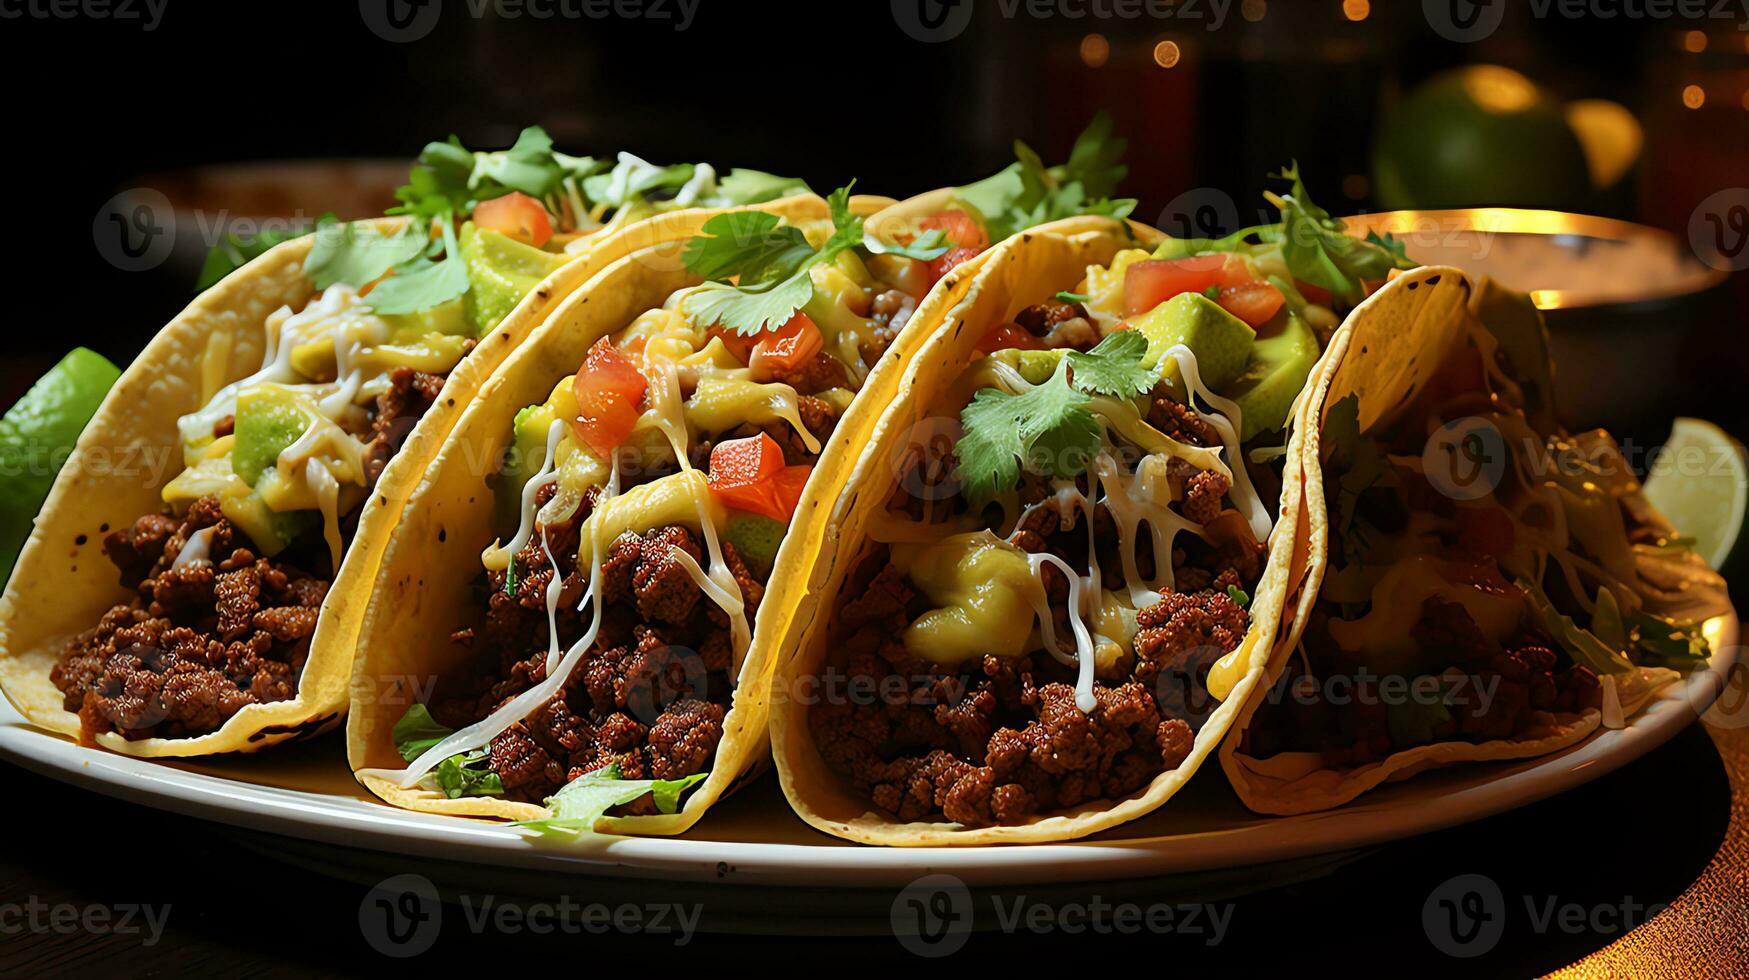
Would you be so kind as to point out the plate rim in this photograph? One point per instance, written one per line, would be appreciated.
(352, 822)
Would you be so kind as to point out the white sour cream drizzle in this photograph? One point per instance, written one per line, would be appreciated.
(718, 584)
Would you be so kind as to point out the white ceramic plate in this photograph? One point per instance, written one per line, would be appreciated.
(752, 839)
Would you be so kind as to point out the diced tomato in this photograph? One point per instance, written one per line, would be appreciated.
(787, 488)
(1316, 294)
(1485, 531)
(609, 388)
(1149, 283)
(1254, 302)
(1002, 336)
(738, 343)
(516, 215)
(747, 474)
(944, 263)
(960, 228)
(788, 347)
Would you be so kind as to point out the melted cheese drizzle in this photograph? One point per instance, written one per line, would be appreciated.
(1225, 422)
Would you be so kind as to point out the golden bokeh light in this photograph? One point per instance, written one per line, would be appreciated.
(1166, 54)
(1254, 10)
(1095, 50)
(1356, 10)
(1694, 41)
(1693, 96)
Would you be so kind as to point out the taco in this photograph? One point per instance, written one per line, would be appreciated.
(1045, 528)
(246, 472)
(1483, 584)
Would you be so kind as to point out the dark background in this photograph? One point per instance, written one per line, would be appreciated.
(827, 92)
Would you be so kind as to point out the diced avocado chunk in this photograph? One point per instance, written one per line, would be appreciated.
(1221, 341)
(445, 318)
(756, 539)
(269, 419)
(501, 271)
(1278, 369)
(1036, 366)
(528, 449)
(269, 530)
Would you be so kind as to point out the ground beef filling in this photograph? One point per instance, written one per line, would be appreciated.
(649, 696)
(198, 643)
(1491, 691)
(998, 741)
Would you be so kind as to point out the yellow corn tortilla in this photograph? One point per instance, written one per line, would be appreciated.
(63, 582)
(1384, 353)
(424, 587)
(1026, 269)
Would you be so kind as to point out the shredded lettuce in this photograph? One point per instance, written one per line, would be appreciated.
(582, 801)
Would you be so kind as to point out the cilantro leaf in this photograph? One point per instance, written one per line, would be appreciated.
(1317, 249)
(1115, 366)
(420, 284)
(1661, 643)
(582, 801)
(462, 775)
(356, 254)
(417, 732)
(750, 310)
(749, 244)
(1067, 297)
(1049, 428)
(1240, 597)
(1027, 193)
(770, 266)
(528, 166)
(1582, 645)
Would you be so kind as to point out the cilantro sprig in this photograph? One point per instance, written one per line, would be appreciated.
(769, 261)
(1049, 428)
(1318, 251)
(1028, 193)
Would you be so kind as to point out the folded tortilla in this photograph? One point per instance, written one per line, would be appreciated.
(1385, 353)
(1027, 269)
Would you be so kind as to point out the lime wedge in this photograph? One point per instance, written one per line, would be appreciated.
(1701, 483)
(37, 435)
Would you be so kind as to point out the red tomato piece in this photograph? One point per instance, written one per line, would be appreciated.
(517, 216)
(787, 348)
(609, 388)
(1255, 302)
(944, 263)
(743, 474)
(961, 229)
(1005, 335)
(787, 488)
(1316, 294)
(1149, 283)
